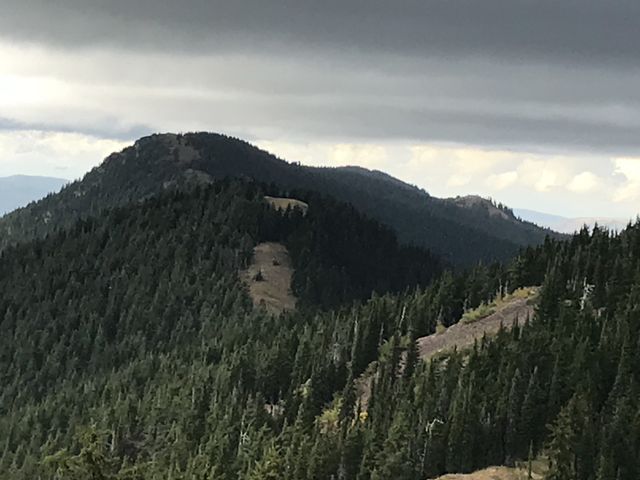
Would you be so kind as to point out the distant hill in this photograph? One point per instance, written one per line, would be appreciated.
(569, 225)
(462, 232)
(19, 190)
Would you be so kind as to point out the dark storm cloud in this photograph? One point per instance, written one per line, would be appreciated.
(518, 30)
(531, 74)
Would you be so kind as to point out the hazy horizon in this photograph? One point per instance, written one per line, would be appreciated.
(562, 224)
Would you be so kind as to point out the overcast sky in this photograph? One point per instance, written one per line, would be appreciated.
(534, 103)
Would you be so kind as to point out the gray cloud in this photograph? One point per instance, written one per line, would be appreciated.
(515, 73)
(108, 129)
(569, 31)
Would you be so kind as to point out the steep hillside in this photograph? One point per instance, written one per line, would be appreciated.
(130, 350)
(19, 190)
(459, 234)
(149, 289)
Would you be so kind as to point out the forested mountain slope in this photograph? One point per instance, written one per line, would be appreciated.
(129, 349)
(461, 232)
(99, 312)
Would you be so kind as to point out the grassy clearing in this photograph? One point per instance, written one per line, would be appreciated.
(484, 310)
(281, 203)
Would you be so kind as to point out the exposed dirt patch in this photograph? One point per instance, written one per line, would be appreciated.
(538, 470)
(281, 203)
(269, 278)
(493, 473)
(464, 334)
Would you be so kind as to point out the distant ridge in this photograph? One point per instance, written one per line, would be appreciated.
(569, 225)
(19, 190)
(462, 232)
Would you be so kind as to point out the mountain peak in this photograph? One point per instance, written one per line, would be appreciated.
(476, 201)
(463, 231)
(177, 147)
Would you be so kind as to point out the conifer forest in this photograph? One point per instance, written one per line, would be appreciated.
(130, 349)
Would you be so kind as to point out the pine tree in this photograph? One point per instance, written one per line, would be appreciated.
(270, 467)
